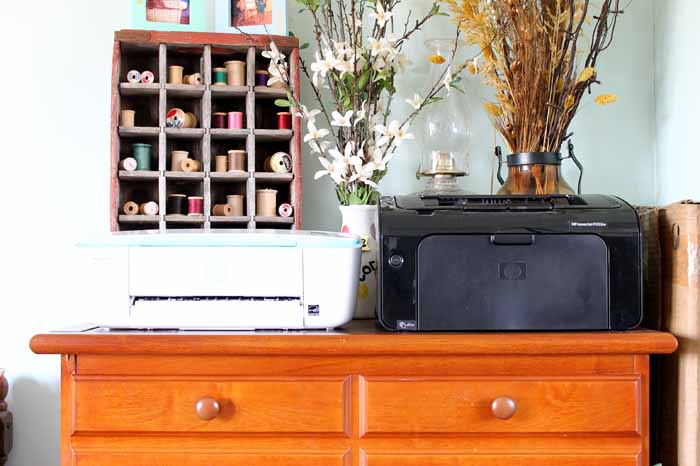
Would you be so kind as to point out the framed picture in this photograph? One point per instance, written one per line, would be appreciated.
(169, 15)
(251, 16)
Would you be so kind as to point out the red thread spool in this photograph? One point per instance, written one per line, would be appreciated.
(195, 205)
(235, 120)
(220, 120)
(284, 120)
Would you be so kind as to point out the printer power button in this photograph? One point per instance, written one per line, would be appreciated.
(396, 261)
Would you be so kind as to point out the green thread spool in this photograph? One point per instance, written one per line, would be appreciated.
(220, 76)
(142, 154)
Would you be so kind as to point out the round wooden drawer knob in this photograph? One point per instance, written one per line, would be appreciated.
(207, 408)
(503, 407)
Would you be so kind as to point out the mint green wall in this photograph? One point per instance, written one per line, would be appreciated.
(677, 39)
(615, 144)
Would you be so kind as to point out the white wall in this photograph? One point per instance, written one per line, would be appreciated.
(55, 128)
(677, 99)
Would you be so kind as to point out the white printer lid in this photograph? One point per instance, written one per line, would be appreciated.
(226, 238)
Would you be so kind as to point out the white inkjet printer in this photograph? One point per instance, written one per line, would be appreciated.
(230, 279)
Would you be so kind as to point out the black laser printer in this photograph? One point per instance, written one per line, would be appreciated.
(500, 263)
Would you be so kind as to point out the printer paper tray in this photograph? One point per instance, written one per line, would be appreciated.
(204, 313)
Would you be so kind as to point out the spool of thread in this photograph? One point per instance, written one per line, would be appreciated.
(142, 155)
(220, 120)
(176, 159)
(147, 77)
(130, 208)
(284, 120)
(133, 76)
(223, 210)
(285, 210)
(235, 73)
(126, 118)
(195, 205)
(236, 160)
(190, 120)
(193, 79)
(177, 204)
(128, 164)
(266, 202)
(191, 165)
(236, 201)
(149, 208)
(175, 118)
(235, 120)
(175, 74)
(219, 76)
(261, 77)
(221, 163)
(279, 162)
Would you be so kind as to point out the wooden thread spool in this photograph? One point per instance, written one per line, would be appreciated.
(126, 118)
(236, 160)
(193, 79)
(175, 74)
(279, 162)
(147, 77)
(191, 165)
(176, 159)
(177, 204)
(130, 208)
(221, 163)
(133, 76)
(219, 76)
(190, 120)
(178, 118)
(128, 164)
(236, 201)
(223, 210)
(235, 120)
(219, 120)
(285, 210)
(149, 208)
(266, 202)
(195, 205)
(235, 72)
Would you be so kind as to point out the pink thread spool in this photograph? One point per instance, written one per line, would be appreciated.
(235, 120)
(285, 210)
(195, 205)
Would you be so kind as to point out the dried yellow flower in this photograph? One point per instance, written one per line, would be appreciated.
(586, 74)
(436, 59)
(569, 102)
(493, 109)
(606, 99)
(472, 69)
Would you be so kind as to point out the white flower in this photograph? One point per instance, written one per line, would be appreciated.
(394, 132)
(363, 171)
(342, 120)
(273, 54)
(378, 47)
(380, 15)
(322, 65)
(401, 62)
(361, 113)
(378, 64)
(447, 81)
(416, 102)
(319, 147)
(315, 133)
(310, 115)
(336, 169)
(347, 155)
(344, 66)
(380, 162)
(342, 49)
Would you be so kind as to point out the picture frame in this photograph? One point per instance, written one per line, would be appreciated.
(251, 16)
(170, 15)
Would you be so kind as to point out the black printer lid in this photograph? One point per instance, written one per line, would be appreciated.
(504, 203)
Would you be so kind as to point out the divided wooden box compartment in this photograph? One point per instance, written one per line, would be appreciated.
(200, 53)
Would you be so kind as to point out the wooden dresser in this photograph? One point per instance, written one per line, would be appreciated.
(355, 397)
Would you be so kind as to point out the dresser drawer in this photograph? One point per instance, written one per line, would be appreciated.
(606, 405)
(504, 460)
(209, 459)
(236, 406)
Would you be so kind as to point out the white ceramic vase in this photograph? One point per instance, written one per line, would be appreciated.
(362, 220)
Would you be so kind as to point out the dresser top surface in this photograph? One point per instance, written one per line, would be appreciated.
(357, 338)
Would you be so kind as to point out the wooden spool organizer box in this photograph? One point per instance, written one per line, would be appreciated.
(260, 138)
